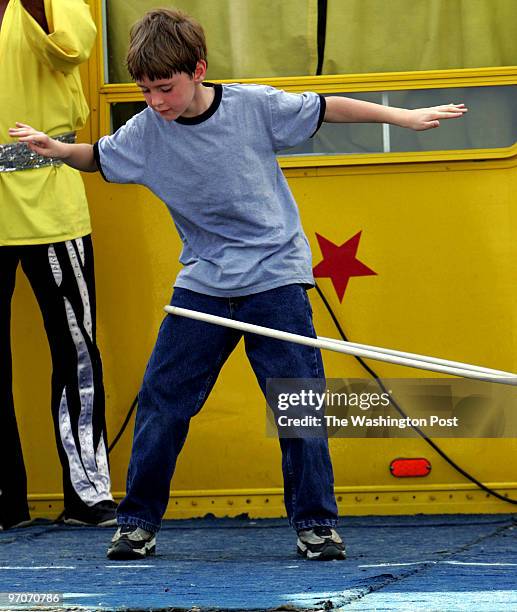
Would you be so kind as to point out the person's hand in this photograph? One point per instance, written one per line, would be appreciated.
(427, 118)
(38, 142)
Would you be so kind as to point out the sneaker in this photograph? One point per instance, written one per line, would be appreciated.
(130, 542)
(321, 543)
(101, 514)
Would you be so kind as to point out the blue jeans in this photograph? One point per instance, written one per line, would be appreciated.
(183, 368)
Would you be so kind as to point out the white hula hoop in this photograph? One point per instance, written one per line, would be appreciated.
(412, 360)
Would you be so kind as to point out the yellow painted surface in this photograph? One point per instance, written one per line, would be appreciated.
(441, 237)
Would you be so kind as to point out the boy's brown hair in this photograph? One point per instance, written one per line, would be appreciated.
(165, 42)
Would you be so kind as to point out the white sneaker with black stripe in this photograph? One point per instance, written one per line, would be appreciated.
(320, 543)
(130, 542)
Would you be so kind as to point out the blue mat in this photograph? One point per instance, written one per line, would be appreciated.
(412, 563)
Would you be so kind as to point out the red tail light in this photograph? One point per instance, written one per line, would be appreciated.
(410, 468)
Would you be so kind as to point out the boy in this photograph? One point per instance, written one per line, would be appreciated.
(208, 151)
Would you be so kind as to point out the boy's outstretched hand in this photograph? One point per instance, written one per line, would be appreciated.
(348, 110)
(38, 142)
(427, 118)
(78, 156)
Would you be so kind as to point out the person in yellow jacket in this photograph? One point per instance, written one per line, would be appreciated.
(45, 227)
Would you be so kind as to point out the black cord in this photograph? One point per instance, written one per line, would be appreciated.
(124, 425)
(397, 407)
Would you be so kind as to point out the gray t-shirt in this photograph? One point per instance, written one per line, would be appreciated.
(218, 175)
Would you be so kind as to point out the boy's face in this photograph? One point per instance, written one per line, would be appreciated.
(176, 96)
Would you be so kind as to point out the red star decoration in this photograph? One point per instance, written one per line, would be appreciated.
(340, 263)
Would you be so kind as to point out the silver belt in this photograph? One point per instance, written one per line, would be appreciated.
(17, 155)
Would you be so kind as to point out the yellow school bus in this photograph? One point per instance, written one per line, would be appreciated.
(431, 217)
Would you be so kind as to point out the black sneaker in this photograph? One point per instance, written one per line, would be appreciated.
(130, 542)
(321, 543)
(101, 514)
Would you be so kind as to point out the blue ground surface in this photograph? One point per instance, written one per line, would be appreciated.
(412, 563)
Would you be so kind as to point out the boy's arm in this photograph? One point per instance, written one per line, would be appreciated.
(348, 110)
(78, 156)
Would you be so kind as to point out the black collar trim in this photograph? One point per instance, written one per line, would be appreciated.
(218, 89)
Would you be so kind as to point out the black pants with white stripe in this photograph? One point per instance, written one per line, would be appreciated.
(61, 275)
